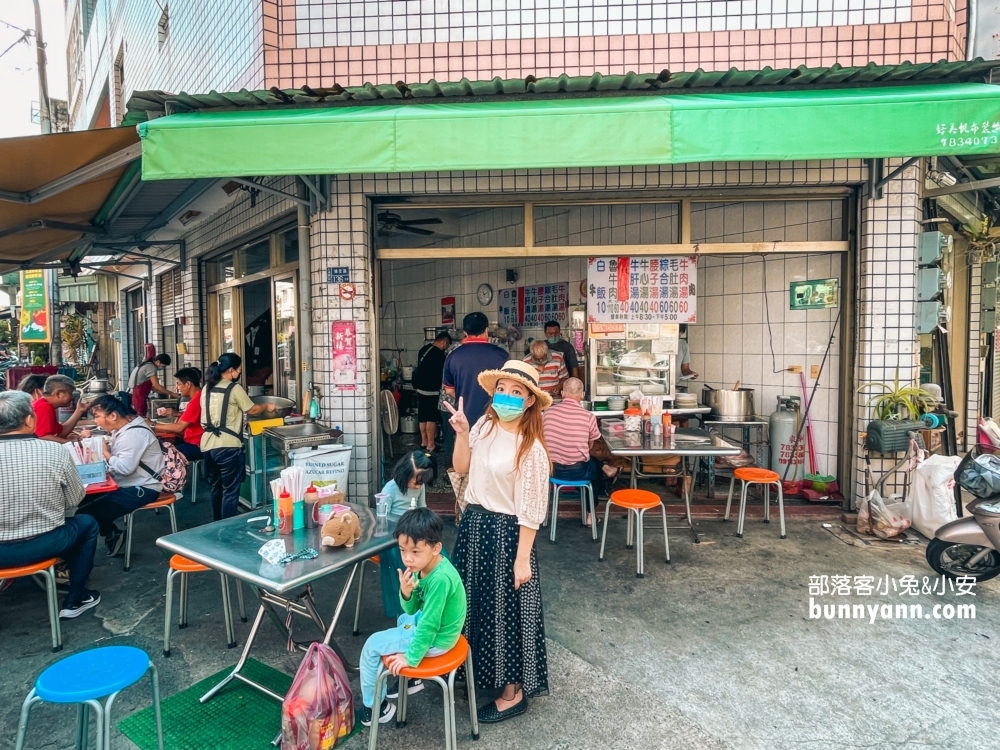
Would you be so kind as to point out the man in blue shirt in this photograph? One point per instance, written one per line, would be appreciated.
(462, 368)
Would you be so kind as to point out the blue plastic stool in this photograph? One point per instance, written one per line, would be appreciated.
(86, 677)
(584, 486)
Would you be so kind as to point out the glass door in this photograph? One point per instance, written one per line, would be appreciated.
(284, 335)
(258, 337)
(226, 321)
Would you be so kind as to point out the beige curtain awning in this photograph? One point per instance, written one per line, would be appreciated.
(52, 186)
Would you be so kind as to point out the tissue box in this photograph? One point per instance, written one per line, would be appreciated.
(92, 473)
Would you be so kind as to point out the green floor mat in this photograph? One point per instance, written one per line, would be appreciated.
(238, 718)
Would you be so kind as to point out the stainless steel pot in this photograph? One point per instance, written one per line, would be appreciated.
(283, 406)
(729, 404)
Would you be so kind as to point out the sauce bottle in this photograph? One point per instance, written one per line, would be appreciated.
(646, 422)
(310, 499)
(285, 511)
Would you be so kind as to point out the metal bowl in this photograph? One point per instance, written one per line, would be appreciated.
(282, 406)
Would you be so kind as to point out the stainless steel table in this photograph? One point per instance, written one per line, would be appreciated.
(746, 425)
(686, 443)
(231, 546)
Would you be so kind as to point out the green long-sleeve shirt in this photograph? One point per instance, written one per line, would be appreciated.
(440, 599)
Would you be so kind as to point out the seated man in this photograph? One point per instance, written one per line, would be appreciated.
(40, 484)
(188, 426)
(135, 462)
(56, 393)
(571, 435)
(551, 367)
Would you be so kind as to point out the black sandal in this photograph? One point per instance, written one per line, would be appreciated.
(490, 714)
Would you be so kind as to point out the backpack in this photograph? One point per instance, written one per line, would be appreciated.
(175, 466)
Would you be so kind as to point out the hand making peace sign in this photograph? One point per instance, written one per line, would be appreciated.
(458, 420)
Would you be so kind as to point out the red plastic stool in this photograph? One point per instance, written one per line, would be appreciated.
(433, 668)
(636, 502)
(766, 478)
(165, 500)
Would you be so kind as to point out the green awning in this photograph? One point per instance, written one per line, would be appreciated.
(525, 133)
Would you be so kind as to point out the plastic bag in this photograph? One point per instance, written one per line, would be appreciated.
(886, 520)
(932, 498)
(318, 709)
(864, 513)
(981, 475)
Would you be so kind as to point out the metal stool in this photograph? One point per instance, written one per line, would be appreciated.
(374, 560)
(581, 485)
(193, 467)
(636, 502)
(86, 677)
(165, 500)
(433, 668)
(750, 475)
(181, 566)
(46, 569)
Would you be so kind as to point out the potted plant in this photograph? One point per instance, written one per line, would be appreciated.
(898, 402)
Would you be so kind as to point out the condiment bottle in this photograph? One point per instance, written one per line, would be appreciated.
(285, 511)
(645, 422)
(298, 514)
(665, 419)
(310, 499)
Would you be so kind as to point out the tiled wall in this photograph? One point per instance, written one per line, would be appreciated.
(215, 45)
(974, 395)
(747, 333)
(322, 41)
(416, 288)
(886, 320)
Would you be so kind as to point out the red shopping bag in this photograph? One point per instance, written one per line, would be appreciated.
(319, 707)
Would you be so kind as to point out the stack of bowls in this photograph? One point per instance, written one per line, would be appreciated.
(616, 403)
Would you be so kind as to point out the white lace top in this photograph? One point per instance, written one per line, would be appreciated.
(497, 486)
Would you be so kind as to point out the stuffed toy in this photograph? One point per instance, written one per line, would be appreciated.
(342, 529)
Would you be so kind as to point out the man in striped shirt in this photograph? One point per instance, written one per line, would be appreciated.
(570, 435)
(551, 367)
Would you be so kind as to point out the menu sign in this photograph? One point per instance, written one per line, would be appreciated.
(533, 306)
(642, 289)
(35, 307)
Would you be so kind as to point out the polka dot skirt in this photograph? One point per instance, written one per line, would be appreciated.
(504, 627)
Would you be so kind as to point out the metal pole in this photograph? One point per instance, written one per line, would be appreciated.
(304, 300)
(55, 342)
(44, 112)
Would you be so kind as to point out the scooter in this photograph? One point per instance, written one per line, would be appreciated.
(969, 546)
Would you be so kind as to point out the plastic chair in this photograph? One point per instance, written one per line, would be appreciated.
(374, 560)
(181, 566)
(636, 502)
(165, 500)
(193, 467)
(433, 668)
(586, 491)
(749, 475)
(86, 677)
(46, 569)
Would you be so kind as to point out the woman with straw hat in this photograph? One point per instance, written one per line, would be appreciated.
(505, 457)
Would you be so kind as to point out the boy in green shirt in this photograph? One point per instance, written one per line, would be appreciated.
(433, 599)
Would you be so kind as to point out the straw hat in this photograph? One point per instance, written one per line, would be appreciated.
(523, 373)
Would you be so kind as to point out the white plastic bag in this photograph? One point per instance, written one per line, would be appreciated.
(932, 498)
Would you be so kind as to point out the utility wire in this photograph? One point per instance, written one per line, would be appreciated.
(24, 39)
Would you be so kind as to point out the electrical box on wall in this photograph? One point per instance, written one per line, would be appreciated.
(932, 247)
(928, 283)
(928, 315)
(988, 321)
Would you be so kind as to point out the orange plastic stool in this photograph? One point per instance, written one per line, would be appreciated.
(183, 567)
(165, 500)
(636, 502)
(433, 668)
(750, 475)
(46, 569)
(374, 560)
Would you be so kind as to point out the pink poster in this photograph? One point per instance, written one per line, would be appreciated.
(345, 355)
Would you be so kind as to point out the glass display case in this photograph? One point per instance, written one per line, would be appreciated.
(639, 357)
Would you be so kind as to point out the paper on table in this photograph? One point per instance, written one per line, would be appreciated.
(294, 479)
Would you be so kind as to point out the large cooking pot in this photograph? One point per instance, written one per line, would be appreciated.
(729, 404)
(283, 406)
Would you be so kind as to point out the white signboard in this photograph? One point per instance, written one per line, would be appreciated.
(642, 289)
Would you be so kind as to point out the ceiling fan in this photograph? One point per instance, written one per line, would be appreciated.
(390, 223)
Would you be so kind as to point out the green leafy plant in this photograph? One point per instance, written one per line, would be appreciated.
(895, 401)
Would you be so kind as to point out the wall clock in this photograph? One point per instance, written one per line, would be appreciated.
(485, 294)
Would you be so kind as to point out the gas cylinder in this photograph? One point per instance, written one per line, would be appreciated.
(783, 424)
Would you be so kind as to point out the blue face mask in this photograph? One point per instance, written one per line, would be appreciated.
(553, 339)
(508, 407)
